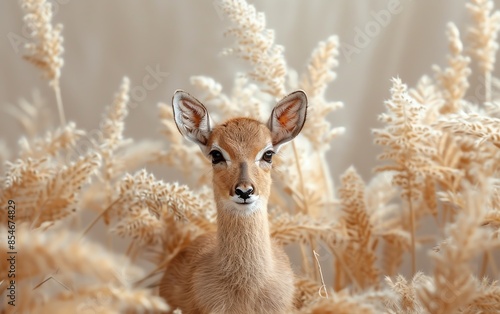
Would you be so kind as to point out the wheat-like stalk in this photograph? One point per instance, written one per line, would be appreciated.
(453, 80)
(455, 287)
(314, 82)
(409, 143)
(255, 43)
(45, 252)
(44, 192)
(46, 50)
(286, 229)
(483, 39)
(360, 253)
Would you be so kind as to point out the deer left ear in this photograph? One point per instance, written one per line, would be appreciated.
(192, 118)
(288, 118)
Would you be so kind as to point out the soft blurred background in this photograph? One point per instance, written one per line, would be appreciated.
(106, 40)
(159, 45)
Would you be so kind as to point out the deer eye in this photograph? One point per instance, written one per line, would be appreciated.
(216, 157)
(268, 156)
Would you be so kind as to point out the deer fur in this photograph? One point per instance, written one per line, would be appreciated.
(238, 269)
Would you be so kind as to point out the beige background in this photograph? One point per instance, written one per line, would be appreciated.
(105, 40)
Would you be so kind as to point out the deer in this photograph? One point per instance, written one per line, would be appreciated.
(238, 268)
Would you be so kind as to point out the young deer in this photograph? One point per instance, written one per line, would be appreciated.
(239, 269)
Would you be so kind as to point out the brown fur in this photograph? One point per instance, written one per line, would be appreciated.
(239, 269)
(242, 138)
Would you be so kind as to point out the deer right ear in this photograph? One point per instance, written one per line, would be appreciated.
(191, 118)
(288, 118)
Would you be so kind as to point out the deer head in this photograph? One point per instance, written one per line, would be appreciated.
(241, 149)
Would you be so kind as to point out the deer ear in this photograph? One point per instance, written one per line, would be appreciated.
(191, 118)
(288, 118)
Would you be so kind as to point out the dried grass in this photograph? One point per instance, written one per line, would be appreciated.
(442, 167)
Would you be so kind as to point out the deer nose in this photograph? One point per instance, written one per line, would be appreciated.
(244, 191)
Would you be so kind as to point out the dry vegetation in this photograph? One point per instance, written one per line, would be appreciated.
(440, 163)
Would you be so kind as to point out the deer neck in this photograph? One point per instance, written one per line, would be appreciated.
(243, 243)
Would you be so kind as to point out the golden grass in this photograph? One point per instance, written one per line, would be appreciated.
(441, 155)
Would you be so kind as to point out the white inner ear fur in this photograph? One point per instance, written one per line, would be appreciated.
(187, 110)
(294, 108)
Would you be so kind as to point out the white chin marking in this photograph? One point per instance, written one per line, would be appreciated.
(237, 205)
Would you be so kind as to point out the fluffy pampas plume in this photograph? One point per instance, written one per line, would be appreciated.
(46, 50)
